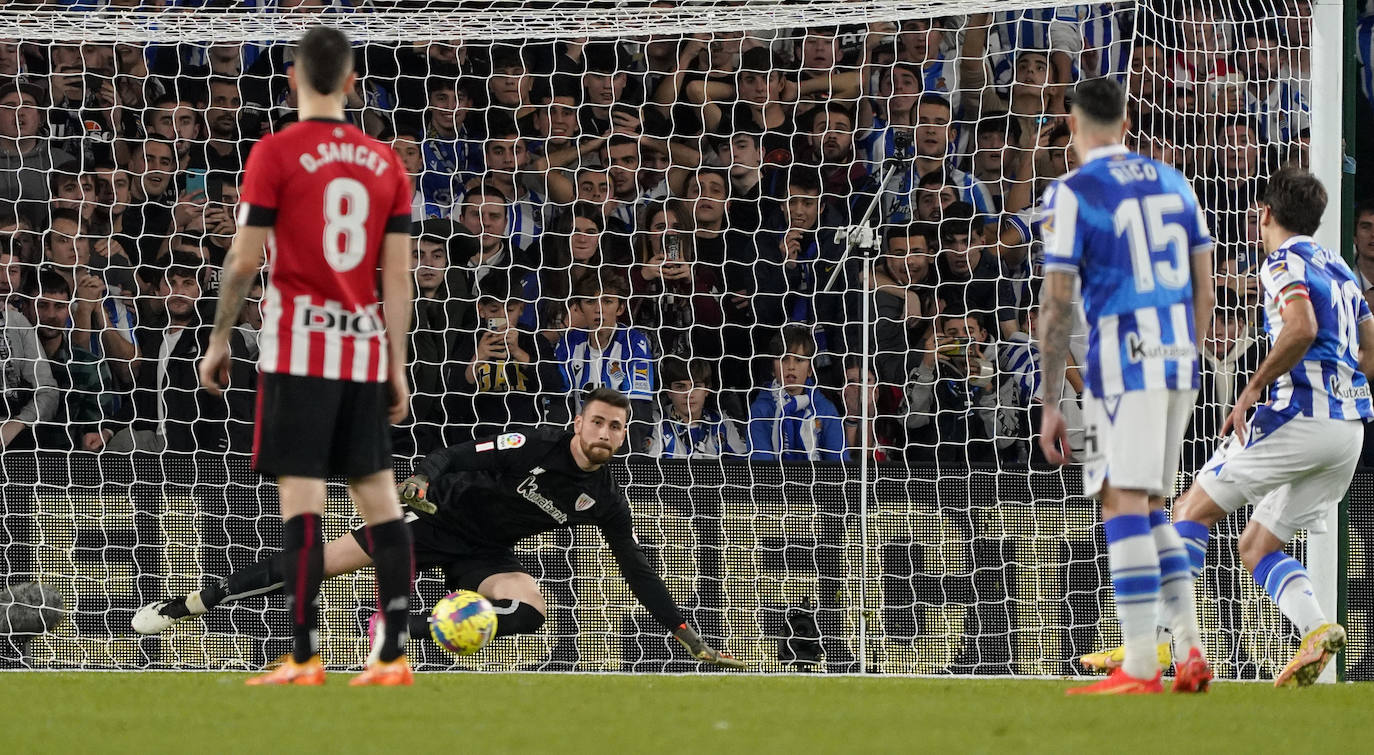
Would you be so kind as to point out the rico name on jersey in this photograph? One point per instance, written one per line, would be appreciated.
(330, 193)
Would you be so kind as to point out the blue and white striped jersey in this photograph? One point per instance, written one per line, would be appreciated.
(1106, 32)
(1128, 226)
(711, 438)
(1364, 50)
(525, 219)
(1028, 29)
(1327, 383)
(626, 364)
(1281, 114)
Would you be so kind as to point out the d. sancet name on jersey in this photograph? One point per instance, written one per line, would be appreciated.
(334, 152)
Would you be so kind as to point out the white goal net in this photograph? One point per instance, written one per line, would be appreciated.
(644, 195)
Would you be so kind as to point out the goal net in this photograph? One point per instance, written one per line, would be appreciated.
(832, 458)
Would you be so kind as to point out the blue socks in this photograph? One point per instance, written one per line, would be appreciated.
(1177, 604)
(1194, 536)
(1287, 583)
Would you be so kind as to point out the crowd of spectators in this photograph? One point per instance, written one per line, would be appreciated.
(654, 214)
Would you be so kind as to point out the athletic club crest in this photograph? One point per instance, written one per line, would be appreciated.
(584, 502)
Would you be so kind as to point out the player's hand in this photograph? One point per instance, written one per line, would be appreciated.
(400, 396)
(699, 650)
(1054, 436)
(1235, 421)
(413, 491)
(214, 367)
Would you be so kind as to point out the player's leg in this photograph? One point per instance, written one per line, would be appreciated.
(1178, 605)
(1194, 515)
(296, 420)
(1134, 564)
(1286, 582)
(363, 454)
(519, 606)
(390, 543)
(1303, 504)
(1125, 464)
(342, 556)
(302, 511)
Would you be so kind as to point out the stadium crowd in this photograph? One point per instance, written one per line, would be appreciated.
(658, 215)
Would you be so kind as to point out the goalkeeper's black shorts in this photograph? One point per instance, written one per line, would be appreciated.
(318, 428)
(465, 564)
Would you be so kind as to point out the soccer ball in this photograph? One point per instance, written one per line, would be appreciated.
(463, 622)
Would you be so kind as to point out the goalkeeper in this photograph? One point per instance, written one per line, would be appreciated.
(470, 504)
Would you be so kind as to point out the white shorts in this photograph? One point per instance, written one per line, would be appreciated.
(1133, 441)
(1293, 475)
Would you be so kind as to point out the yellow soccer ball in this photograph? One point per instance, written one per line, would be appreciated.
(463, 622)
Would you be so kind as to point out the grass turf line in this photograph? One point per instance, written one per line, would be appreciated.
(150, 712)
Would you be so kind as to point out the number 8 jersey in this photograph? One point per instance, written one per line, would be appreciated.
(1327, 383)
(1128, 226)
(330, 193)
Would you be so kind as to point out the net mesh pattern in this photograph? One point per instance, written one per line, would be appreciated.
(642, 195)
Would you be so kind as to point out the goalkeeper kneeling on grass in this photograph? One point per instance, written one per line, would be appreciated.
(471, 503)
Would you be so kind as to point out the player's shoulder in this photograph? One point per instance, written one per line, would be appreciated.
(636, 337)
(1284, 265)
(571, 340)
(537, 440)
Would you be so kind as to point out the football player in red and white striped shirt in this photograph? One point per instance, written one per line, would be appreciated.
(332, 206)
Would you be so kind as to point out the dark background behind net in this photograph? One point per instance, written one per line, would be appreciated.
(966, 571)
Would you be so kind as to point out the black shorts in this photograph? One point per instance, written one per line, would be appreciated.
(465, 565)
(313, 427)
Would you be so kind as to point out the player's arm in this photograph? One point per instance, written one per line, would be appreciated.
(241, 267)
(1056, 320)
(482, 454)
(1063, 254)
(1298, 333)
(1204, 292)
(649, 588)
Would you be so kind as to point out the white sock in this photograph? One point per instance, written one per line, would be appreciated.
(1135, 579)
(1177, 604)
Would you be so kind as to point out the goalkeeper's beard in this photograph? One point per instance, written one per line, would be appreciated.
(598, 453)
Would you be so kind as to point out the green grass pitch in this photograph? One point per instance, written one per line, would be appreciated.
(153, 712)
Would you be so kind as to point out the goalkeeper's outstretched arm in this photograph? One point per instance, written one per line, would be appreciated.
(649, 588)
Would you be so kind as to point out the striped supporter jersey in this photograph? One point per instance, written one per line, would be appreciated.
(1327, 383)
(1128, 226)
(330, 194)
(626, 364)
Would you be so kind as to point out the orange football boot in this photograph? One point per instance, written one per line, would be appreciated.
(1193, 674)
(1120, 683)
(308, 674)
(396, 673)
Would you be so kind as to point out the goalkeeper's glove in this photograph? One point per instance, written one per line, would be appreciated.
(699, 650)
(413, 491)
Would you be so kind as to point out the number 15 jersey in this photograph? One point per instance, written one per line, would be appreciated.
(1128, 226)
(330, 194)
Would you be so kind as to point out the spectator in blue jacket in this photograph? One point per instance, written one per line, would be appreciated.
(791, 419)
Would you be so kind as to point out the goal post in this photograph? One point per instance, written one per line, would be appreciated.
(939, 544)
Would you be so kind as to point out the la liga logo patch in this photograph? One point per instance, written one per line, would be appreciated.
(510, 440)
